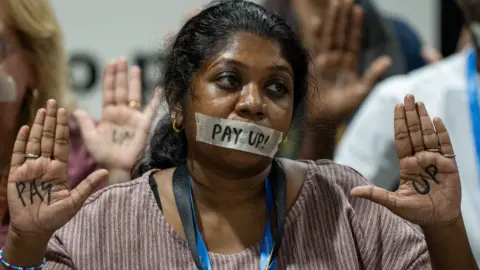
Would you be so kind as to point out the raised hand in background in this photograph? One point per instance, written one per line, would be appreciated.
(117, 141)
(339, 89)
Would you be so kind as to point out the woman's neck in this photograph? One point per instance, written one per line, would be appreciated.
(231, 209)
(214, 188)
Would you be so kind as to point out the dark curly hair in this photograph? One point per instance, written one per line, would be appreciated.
(201, 38)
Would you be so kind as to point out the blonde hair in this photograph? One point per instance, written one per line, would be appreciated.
(39, 33)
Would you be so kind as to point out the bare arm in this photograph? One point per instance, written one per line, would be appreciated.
(319, 141)
(23, 251)
(448, 247)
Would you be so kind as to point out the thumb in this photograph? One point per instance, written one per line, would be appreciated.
(377, 195)
(375, 72)
(151, 110)
(149, 115)
(79, 195)
(86, 124)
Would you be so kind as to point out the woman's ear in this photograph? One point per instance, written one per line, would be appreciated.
(176, 113)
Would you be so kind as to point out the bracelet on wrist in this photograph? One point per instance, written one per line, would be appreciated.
(9, 266)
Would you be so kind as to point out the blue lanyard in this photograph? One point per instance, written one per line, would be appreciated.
(472, 89)
(267, 241)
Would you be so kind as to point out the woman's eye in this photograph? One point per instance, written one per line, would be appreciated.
(228, 81)
(277, 89)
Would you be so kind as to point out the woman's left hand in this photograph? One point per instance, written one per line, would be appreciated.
(430, 191)
(116, 142)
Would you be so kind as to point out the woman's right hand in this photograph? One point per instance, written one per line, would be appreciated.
(39, 199)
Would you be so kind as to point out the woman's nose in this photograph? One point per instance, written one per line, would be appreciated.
(252, 103)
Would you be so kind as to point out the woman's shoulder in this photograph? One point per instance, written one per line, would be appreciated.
(112, 215)
(131, 189)
(330, 171)
(315, 182)
(327, 173)
(325, 182)
(111, 202)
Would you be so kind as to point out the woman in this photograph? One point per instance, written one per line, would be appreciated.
(233, 78)
(33, 66)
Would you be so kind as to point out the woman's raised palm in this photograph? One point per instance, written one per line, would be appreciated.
(430, 190)
(40, 200)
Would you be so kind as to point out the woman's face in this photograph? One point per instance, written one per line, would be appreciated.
(248, 81)
(13, 64)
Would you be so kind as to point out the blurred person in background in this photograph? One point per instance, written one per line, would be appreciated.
(33, 61)
(377, 37)
(450, 90)
(432, 55)
(409, 41)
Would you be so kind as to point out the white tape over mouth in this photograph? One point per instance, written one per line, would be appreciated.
(7, 88)
(237, 135)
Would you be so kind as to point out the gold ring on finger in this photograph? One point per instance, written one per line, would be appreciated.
(133, 104)
(433, 150)
(450, 155)
(27, 155)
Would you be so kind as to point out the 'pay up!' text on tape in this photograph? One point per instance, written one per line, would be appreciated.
(237, 135)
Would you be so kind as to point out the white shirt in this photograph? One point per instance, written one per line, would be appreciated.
(368, 143)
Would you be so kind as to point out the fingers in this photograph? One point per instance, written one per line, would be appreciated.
(375, 71)
(377, 195)
(109, 84)
(62, 136)
(86, 124)
(356, 30)
(328, 26)
(150, 113)
(429, 136)
(443, 137)
(151, 110)
(121, 85)
(353, 39)
(413, 122)
(414, 131)
(48, 135)
(135, 86)
(79, 195)
(312, 40)
(121, 81)
(18, 156)
(402, 139)
(343, 20)
(34, 139)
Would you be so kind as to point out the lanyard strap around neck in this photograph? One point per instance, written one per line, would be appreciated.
(182, 193)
